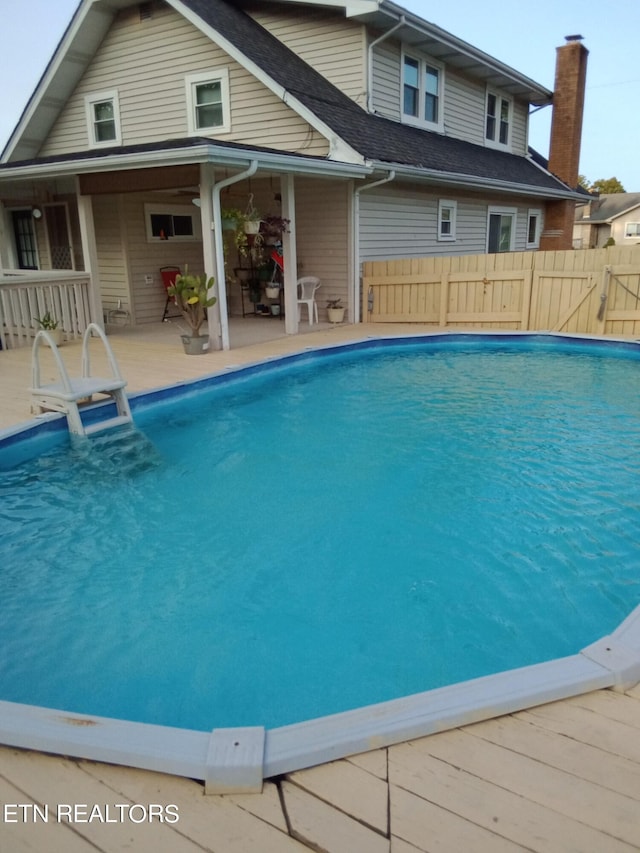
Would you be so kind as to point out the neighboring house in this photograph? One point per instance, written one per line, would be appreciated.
(614, 216)
(376, 133)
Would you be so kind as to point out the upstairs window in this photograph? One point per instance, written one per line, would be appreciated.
(208, 102)
(421, 92)
(498, 120)
(103, 119)
(447, 211)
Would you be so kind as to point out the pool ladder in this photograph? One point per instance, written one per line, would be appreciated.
(64, 396)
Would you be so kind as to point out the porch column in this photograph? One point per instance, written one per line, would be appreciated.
(290, 256)
(90, 254)
(217, 318)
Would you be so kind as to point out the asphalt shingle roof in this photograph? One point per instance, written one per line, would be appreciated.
(374, 137)
(608, 206)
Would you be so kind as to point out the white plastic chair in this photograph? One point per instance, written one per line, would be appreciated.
(307, 287)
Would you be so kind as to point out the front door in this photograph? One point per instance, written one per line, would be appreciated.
(24, 236)
(60, 248)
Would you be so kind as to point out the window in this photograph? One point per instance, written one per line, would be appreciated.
(447, 220)
(172, 222)
(632, 229)
(421, 92)
(103, 119)
(501, 229)
(498, 122)
(208, 102)
(534, 224)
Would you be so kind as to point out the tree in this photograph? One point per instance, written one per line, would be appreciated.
(602, 186)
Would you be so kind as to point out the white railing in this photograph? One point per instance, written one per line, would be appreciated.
(26, 295)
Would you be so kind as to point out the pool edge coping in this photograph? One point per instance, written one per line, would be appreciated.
(238, 760)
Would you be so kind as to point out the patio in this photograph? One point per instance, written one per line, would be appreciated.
(560, 777)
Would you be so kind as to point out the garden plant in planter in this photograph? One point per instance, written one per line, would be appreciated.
(51, 326)
(191, 294)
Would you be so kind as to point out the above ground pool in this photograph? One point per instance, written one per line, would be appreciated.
(334, 530)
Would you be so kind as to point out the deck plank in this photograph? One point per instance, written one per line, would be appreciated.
(565, 753)
(549, 787)
(623, 709)
(324, 828)
(213, 822)
(54, 781)
(587, 727)
(34, 835)
(478, 800)
(374, 762)
(350, 789)
(427, 827)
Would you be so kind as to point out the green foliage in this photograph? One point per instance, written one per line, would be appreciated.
(603, 186)
(191, 293)
(47, 322)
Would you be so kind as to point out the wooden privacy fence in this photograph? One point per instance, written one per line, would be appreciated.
(25, 297)
(590, 291)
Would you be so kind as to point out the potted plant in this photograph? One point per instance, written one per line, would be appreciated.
(231, 218)
(51, 326)
(273, 227)
(335, 311)
(191, 294)
(251, 219)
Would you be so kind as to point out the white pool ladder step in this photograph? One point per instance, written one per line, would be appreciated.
(64, 396)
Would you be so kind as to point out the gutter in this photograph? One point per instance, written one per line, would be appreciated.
(356, 240)
(373, 44)
(217, 238)
(205, 153)
(462, 181)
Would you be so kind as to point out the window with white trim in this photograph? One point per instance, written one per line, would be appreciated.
(422, 82)
(103, 119)
(501, 229)
(632, 229)
(172, 222)
(534, 227)
(208, 107)
(447, 213)
(498, 120)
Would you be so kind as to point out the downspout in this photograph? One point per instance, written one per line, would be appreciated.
(373, 44)
(356, 240)
(219, 247)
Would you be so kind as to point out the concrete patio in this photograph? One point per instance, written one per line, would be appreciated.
(559, 777)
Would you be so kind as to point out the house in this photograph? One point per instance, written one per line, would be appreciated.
(612, 216)
(375, 133)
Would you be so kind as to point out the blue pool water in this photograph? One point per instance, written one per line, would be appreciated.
(320, 536)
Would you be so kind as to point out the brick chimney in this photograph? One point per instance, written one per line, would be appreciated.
(566, 134)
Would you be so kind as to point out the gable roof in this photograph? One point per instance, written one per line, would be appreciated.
(355, 135)
(607, 207)
(375, 138)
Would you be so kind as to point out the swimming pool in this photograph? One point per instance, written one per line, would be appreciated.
(386, 544)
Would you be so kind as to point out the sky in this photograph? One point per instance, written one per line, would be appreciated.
(524, 39)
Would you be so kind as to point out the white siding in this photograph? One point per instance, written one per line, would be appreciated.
(332, 44)
(399, 222)
(322, 216)
(146, 62)
(386, 79)
(112, 256)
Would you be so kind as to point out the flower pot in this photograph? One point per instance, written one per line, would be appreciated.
(57, 335)
(252, 226)
(272, 292)
(195, 344)
(228, 225)
(335, 315)
(275, 310)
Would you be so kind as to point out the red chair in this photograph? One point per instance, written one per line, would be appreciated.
(168, 279)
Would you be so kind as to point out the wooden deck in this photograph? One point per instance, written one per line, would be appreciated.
(560, 777)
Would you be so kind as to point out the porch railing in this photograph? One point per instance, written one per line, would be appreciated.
(27, 295)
